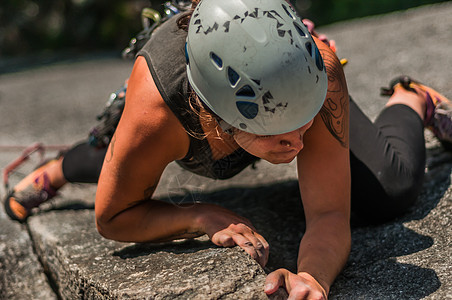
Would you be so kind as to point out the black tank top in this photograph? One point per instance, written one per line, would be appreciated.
(165, 57)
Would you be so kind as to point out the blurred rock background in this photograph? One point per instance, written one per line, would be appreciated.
(38, 28)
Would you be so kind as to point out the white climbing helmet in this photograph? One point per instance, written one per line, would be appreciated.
(255, 65)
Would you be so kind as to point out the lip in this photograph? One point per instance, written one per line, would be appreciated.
(285, 156)
(285, 160)
(285, 152)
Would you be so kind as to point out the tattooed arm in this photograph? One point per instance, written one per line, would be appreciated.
(334, 112)
(324, 180)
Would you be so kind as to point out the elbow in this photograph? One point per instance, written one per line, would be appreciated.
(107, 226)
(104, 227)
(117, 227)
(106, 219)
(101, 229)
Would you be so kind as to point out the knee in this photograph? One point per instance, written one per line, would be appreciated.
(403, 191)
(385, 203)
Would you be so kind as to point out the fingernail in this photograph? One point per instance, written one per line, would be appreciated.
(268, 287)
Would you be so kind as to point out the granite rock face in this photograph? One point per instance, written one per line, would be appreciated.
(58, 254)
(87, 266)
(21, 274)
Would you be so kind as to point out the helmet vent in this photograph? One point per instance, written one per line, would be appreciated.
(299, 29)
(308, 46)
(248, 109)
(217, 61)
(287, 11)
(233, 76)
(318, 59)
(186, 53)
(246, 92)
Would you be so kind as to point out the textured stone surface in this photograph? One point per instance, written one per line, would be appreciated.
(408, 258)
(86, 265)
(21, 274)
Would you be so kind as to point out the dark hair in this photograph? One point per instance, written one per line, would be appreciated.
(184, 19)
(197, 107)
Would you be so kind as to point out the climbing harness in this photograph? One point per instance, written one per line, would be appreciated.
(101, 134)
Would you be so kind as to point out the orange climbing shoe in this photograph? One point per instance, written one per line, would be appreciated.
(438, 115)
(29, 193)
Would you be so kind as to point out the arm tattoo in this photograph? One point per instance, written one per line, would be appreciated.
(334, 111)
(112, 148)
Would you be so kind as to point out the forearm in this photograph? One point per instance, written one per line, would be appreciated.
(324, 248)
(153, 221)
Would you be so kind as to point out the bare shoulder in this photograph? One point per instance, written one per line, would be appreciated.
(146, 115)
(148, 137)
(335, 110)
(332, 63)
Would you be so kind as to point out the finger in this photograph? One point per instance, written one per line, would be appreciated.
(265, 247)
(299, 293)
(244, 226)
(274, 280)
(223, 238)
(243, 236)
(260, 245)
(247, 245)
(305, 292)
(255, 241)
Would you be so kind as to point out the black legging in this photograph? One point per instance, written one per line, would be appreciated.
(83, 163)
(387, 161)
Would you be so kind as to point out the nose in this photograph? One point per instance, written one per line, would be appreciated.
(293, 140)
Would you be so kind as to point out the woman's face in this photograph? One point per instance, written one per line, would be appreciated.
(276, 149)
